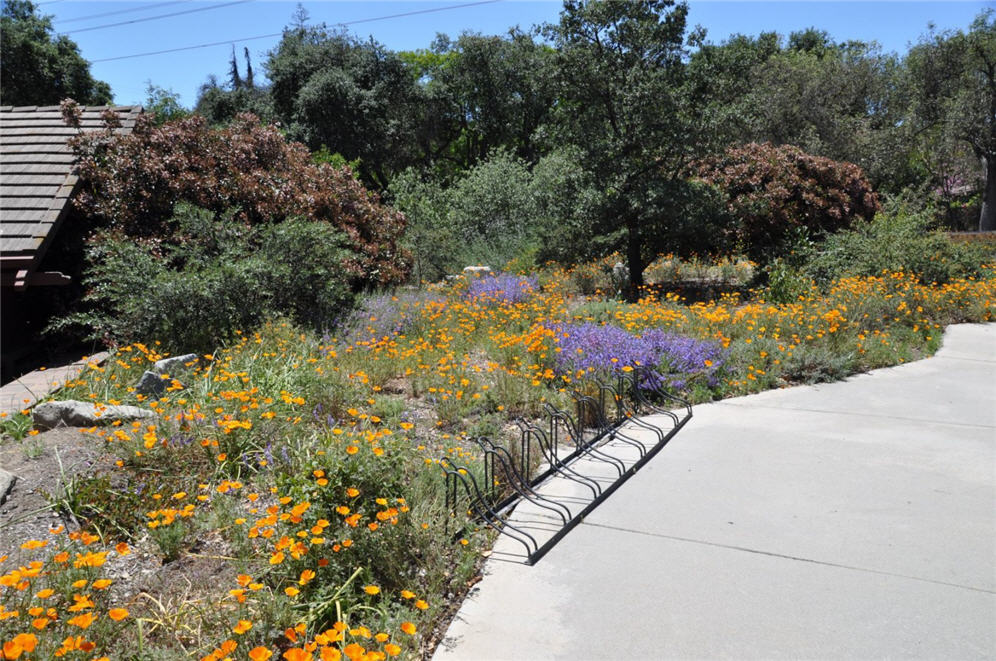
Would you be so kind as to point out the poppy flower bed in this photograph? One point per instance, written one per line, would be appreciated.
(306, 466)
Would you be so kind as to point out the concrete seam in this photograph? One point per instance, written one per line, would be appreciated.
(970, 360)
(788, 557)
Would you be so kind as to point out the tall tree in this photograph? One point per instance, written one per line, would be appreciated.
(843, 101)
(163, 104)
(624, 102)
(234, 78)
(40, 67)
(492, 91)
(722, 76)
(952, 78)
(355, 98)
(839, 101)
(250, 83)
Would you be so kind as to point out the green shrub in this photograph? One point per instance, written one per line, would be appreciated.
(218, 276)
(492, 210)
(900, 238)
(787, 284)
(429, 237)
(498, 213)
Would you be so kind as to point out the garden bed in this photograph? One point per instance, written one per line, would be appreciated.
(288, 497)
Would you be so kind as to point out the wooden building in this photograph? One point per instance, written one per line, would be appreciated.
(37, 183)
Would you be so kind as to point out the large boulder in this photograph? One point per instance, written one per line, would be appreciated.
(72, 413)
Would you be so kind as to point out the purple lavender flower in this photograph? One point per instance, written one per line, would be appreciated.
(678, 355)
(505, 288)
(383, 315)
(606, 350)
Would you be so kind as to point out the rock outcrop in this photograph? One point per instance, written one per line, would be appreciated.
(72, 413)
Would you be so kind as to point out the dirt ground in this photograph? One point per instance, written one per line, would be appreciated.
(44, 464)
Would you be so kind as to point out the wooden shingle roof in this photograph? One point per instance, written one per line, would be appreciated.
(37, 181)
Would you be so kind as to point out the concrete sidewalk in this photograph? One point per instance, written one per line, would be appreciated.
(846, 520)
(26, 391)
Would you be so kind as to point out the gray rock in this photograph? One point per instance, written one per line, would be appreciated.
(72, 413)
(620, 277)
(174, 363)
(150, 384)
(6, 483)
(477, 270)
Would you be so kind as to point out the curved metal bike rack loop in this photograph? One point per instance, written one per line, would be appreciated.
(616, 412)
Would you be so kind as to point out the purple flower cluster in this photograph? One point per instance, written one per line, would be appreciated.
(382, 315)
(679, 357)
(607, 349)
(504, 288)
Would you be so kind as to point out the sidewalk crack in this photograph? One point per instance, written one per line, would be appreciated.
(784, 556)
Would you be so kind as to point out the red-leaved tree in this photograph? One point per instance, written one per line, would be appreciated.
(133, 182)
(772, 190)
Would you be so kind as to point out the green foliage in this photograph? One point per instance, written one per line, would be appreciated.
(721, 76)
(819, 364)
(484, 93)
(15, 427)
(164, 104)
(838, 101)
(568, 201)
(620, 67)
(500, 213)
(221, 105)
(429, 238)
(845, 101)
(900, 238)
(336, 160)
(216, 277)
(39, 67)
(952, 89)
(353, 96)
(492, 209)
(786, 283)
(102, 507)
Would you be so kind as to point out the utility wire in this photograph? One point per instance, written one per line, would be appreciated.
(153, 18)
(277, 34)
(144, 7)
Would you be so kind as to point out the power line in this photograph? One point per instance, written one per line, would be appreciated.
(277, 34)
(49, 2)
(183, 48)
(118, 11)
(153, 18)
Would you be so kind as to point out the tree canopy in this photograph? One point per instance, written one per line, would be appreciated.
(952, 81)
(621, 74)
(39, 67)
(602, 123)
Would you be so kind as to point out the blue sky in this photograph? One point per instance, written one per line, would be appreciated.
(894, 25)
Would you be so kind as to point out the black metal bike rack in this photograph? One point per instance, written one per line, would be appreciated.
(604, 412)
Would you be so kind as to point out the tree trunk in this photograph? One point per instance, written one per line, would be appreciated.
(987, 219)
(634, 259)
